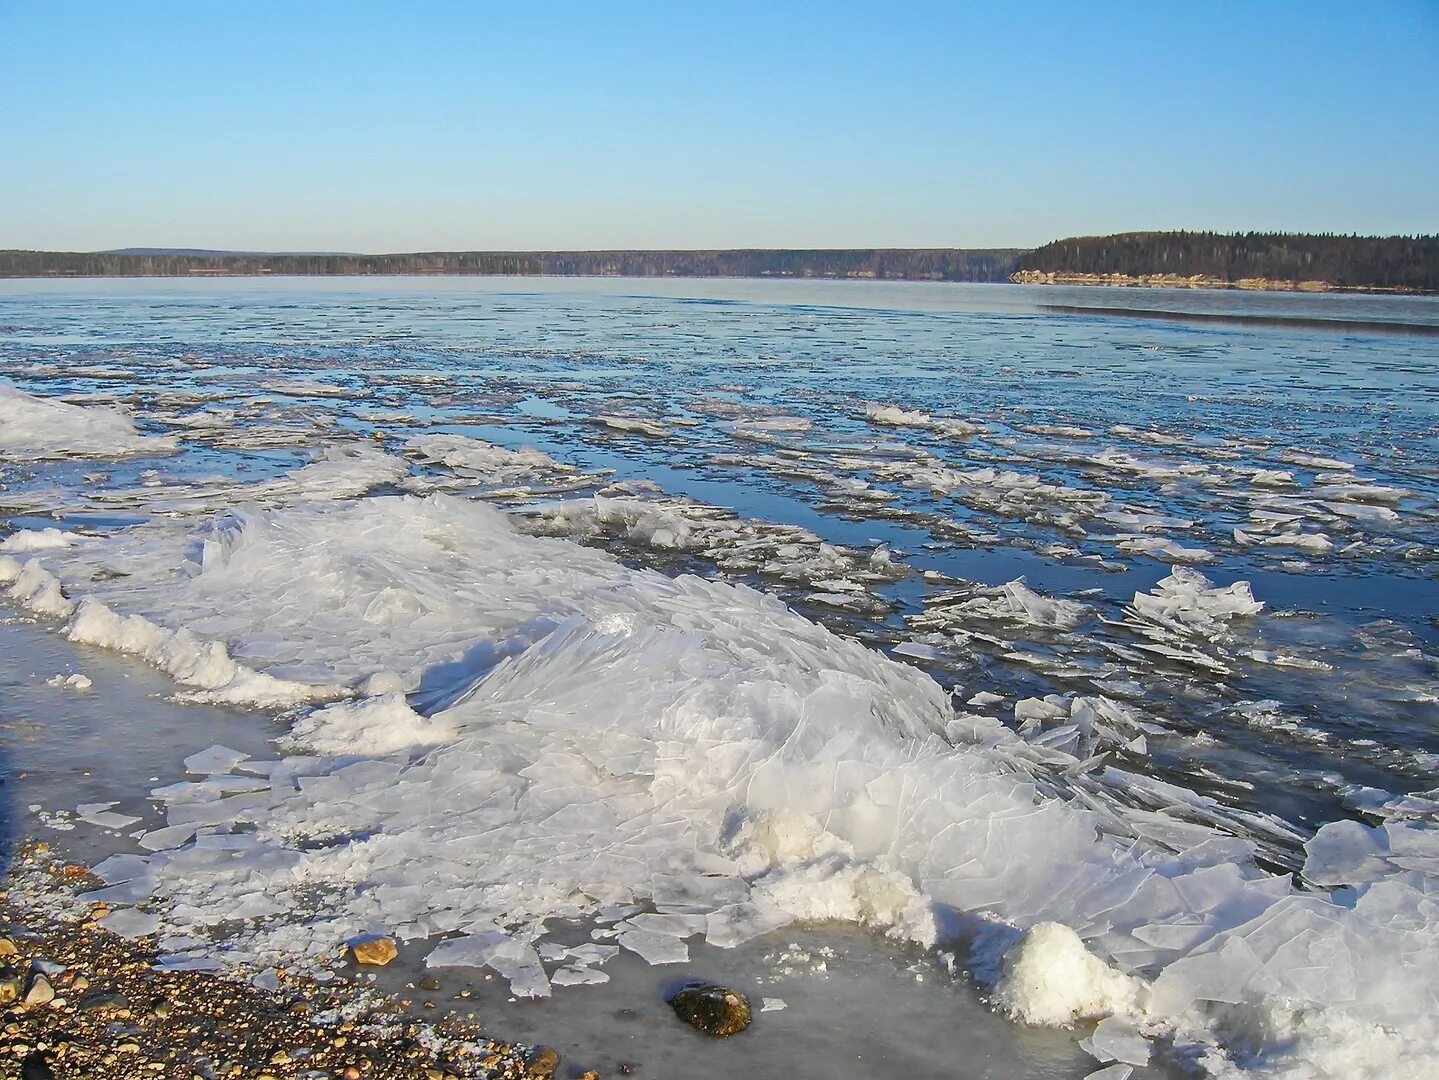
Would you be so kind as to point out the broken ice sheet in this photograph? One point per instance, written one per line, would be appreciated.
(655, 948)
(215, 759)
(99, 814)
(130, 923)
(509, 957)
(1115, 1039)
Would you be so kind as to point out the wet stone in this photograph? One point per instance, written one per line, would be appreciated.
(715, 1010)
(40, 992)
(103, 1001)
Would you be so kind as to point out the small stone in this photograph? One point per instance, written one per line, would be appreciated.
(128, 1048)
(40, 992)
(434, 1074)
(11, 986)
(430, 983)
(543, 1065)
(7, 947)
(591, 1075)
(161, 1008)
(715, 1010)
(81, 983)
(377, 951)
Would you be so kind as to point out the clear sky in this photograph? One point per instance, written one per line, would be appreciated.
(402, 126)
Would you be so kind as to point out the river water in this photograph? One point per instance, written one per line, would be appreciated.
(1161, 562)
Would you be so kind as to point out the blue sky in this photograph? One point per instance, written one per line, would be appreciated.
(367, 126)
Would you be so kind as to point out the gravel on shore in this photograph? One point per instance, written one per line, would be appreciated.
(76, 1001)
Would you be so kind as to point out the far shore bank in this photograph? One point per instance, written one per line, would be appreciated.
(1197, 283)
(1203, 281)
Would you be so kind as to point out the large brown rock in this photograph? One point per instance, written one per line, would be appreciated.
(715, 1010)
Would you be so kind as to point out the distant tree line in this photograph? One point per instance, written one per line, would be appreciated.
(1386, 262)
(895, 264)
(936, 264)
(166, 264)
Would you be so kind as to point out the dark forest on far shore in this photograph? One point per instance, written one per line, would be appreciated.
(1406, 263)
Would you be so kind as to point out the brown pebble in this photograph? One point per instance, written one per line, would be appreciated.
(543, 1064)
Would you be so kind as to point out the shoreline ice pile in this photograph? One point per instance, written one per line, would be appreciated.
(544, 733)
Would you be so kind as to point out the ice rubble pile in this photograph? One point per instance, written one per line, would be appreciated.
(525, 471)
(894, 416)
(549, 733)
(1013, 602)
(1007, 493)
(790, 553)
(34, 428)
(338, 471)
(1186, 619)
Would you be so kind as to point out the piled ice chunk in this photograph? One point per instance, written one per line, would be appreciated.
(36, 427)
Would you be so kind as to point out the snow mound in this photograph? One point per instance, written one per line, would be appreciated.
(1049, 978)
(26, 540)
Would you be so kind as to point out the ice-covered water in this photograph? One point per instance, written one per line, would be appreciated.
(1098, 649)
